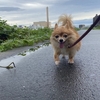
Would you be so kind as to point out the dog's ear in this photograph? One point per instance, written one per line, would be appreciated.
(56, 25)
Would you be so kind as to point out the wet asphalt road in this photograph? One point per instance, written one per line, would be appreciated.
(37, 78)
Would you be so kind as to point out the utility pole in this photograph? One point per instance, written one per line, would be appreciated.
(47, 17)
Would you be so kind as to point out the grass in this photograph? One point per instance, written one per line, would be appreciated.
(26, 38)
(14, 37)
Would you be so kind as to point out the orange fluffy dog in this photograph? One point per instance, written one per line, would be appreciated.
(61, 37)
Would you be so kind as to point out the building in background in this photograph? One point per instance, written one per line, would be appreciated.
(81, 26)
(94, 18)
(41, 24)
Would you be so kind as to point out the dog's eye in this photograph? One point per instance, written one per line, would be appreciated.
(65, 36)
(57, 36)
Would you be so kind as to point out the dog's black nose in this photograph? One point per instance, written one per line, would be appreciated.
(61, 40)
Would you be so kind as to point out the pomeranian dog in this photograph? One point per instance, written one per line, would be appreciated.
(63, 36)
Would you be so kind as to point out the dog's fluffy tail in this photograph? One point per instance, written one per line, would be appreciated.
(65, 19)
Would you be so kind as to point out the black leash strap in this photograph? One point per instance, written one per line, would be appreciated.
(90, 28)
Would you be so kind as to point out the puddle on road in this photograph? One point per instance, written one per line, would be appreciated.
(20, 56)
(33, 49)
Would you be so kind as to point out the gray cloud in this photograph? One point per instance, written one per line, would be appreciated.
(9, 9)
(29, 11)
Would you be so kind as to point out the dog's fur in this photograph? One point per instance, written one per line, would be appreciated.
(61, 37)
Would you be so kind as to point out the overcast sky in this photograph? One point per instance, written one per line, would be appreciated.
(25, 12)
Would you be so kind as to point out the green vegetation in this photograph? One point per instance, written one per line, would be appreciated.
(13, 36)
(97, 28)
(77, 29)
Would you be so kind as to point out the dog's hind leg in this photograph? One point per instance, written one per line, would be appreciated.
(71, 60)
(71, 57)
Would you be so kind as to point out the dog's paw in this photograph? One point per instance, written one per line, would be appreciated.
(57, 62)
(70, 61)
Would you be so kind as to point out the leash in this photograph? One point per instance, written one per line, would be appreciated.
(90, 28)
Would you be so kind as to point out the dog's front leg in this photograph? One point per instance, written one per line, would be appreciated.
(56, 58)
(71, 56)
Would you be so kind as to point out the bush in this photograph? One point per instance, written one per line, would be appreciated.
(13, 36)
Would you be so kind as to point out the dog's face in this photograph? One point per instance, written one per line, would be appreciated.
(61, 37)
(61, 34)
